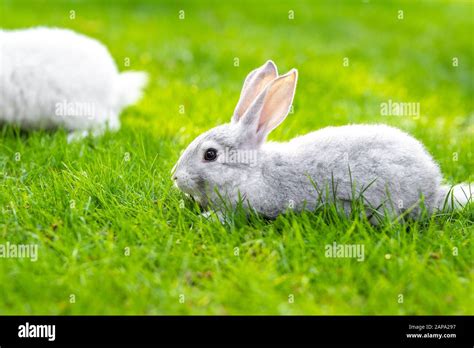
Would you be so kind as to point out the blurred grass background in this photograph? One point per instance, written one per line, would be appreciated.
(122, 204)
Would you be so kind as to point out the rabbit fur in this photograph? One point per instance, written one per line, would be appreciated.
(53, 77)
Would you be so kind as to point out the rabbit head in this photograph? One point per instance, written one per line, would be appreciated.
(219, 162)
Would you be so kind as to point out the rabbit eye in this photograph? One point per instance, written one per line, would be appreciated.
(210, 155)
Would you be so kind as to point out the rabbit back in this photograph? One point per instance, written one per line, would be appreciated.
(388, 167)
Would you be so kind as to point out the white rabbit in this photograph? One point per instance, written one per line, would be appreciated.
(389, 169)
(51, 77)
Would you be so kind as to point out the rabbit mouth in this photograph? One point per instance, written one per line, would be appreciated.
(199, 198)
(195, 192)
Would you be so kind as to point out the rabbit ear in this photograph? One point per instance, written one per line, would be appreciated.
(270, 108)
(254, 83)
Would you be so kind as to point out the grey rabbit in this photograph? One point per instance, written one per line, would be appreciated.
(234, 163)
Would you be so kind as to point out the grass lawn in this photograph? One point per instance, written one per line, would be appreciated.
(115, 236)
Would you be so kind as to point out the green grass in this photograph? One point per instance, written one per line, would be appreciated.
(85, 205)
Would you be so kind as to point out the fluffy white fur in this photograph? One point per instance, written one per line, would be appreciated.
(53, 78)
(390, 169)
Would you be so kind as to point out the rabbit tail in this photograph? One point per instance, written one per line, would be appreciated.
(130, 87)
(456, 197)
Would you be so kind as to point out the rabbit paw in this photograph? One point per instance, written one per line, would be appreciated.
(76, 136)
(220, 216)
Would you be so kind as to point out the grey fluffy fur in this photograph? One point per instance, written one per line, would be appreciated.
(389, 168)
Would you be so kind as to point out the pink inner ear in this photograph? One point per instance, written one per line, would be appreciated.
(256, 86)
(276, 105)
